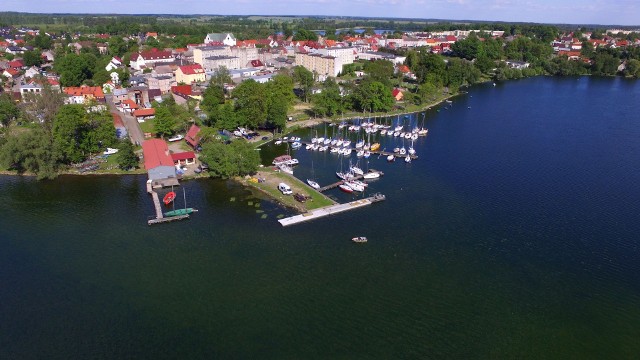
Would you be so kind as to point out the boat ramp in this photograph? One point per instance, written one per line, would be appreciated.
(331, 209)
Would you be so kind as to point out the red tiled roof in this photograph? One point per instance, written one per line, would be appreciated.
(156, 55)
(13, 72)
(192, 69)
(94, 91)
(256, 63)
(144, 112)
(182, 89)
(156, 153)
(117, 120)
(395, 92)
(192, 135)
(183, 156)
(132, 104)
(16, 64)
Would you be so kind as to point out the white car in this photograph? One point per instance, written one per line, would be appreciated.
(176, 138)
(110, 151)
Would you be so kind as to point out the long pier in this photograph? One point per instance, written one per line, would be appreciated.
(330, 210)
(377, 152)
(338, 183)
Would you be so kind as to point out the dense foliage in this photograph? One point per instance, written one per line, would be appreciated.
(227, 160)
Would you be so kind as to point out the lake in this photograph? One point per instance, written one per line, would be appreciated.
(514, 235)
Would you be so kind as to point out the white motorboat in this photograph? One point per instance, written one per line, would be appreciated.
(367, 154)
(403, 151)
(346, 143)
(383, 132)
(412, 151)
(372, 175)
(356, 170)
(313, 184)
(407, 159)
(334, 150)
(339, 142)
(359, 144)
(360, 153)
(396, 149)
(296, 145)
(359, 239)
(391, 158)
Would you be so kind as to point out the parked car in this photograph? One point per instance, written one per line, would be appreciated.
(284, 189)
(176, 138)
(299, 197)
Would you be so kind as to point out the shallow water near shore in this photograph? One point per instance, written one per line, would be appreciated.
(514, 235)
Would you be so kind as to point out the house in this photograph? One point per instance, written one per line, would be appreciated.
(143, 114)
(79, 95)
(118, 124)
(192, 137)
(397, 94)
(188, 74)
(11, 73)
(113, 64)
(223, 38)
(14, 50)
(184, 158)
(157, 161)
(147, 59)
(31, 72)
(128, 106)
(16, 64)
(119, 95)
(33, 88)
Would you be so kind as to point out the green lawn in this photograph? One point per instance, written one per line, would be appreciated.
(147, 126)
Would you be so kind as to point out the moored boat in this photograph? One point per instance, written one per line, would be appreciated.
(179, 212)
(359, 239)
(169, 197)
(345, 188)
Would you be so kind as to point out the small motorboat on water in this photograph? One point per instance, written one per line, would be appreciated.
(391, 158)
(359, 239)
(169, 197)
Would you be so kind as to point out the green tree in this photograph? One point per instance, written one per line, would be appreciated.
(380, 71)
(75, 69)
(372, 96)
(32, 58)
(126, 157)
(305, 80)
(633, 68)
(8, 110)
(68, 132)
(220, 77)
(42, 41)
(304, 34)
(250, 103)
(329, 102)
(164, 122)
(236, 159)
(30, 151)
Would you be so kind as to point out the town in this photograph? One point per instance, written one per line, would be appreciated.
(63, 91)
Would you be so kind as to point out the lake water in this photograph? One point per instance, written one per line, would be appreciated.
(514, 235)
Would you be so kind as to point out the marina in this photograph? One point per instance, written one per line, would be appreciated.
(331, 210)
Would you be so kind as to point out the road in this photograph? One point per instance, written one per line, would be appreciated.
(133, 128)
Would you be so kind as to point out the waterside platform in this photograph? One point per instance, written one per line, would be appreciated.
(330, 210)
(160, 218)
(375, 152)
(338, 183)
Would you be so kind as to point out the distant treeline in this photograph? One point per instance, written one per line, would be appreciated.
(245, 27)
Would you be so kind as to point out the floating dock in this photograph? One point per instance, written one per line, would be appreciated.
(376, 152)
(160, 218)
(338, 183)
(330, 210)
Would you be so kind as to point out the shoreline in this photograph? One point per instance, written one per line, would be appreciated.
(290, 128)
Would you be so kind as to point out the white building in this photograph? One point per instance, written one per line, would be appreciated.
(224, 38)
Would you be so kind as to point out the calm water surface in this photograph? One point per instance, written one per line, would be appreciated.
(515, 235)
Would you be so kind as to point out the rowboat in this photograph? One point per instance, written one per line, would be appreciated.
(169, 197)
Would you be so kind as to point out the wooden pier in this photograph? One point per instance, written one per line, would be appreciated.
(376, 152)
(330, 210)
(160, 218)
(338, 183)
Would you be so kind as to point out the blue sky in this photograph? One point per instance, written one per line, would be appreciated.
(621, 12)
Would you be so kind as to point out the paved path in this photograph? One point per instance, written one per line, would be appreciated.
(133, 128)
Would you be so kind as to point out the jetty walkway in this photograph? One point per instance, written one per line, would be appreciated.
(330, 210)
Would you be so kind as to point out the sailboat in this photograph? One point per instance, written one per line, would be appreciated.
(184, 211)
(312, 182)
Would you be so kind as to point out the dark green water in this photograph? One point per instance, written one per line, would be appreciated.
(515, 235)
